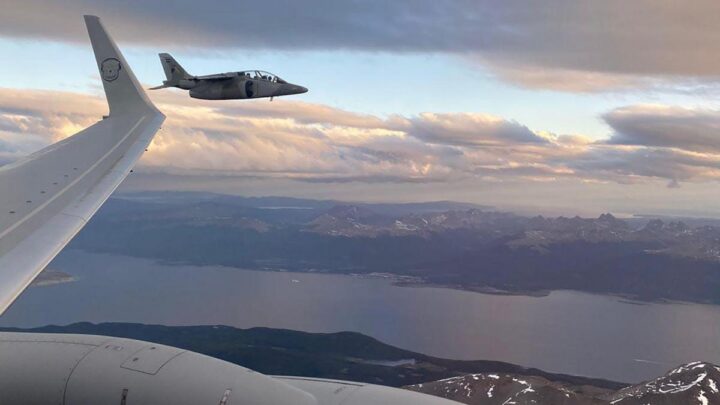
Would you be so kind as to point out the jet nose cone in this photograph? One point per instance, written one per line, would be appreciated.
(288, 89)
(295, 89)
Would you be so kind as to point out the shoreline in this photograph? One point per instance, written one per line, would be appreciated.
(52, 277)
(409, 281)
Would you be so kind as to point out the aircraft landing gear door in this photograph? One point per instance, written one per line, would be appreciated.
(250, 88)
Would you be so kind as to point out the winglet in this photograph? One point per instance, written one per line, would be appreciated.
(124, 93)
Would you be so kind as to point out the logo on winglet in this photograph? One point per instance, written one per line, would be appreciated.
(110, 69)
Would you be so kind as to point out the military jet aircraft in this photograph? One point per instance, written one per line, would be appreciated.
(45, 199)
(226, 86)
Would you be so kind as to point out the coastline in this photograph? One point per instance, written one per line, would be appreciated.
(409, 281)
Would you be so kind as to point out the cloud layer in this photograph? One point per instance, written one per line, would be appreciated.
(562, 44)
(311, 142)
(663, 126)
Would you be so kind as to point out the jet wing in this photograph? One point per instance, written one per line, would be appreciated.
(47, 197)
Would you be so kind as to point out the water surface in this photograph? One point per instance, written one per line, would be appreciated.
(567, 332)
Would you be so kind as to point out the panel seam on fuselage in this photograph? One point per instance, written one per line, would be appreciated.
(77, 364)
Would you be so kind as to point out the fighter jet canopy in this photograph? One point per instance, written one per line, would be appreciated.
(261, 75)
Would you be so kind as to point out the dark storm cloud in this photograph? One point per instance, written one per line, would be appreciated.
(564, 44)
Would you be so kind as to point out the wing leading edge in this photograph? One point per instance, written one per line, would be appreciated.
(47, 197)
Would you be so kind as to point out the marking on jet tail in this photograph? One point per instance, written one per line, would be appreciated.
(110, 68)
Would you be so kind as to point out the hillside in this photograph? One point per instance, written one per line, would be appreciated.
(344, 355)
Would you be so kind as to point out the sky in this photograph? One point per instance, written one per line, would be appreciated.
(561, 106)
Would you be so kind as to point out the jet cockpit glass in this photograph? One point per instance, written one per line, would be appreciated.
(262, 75)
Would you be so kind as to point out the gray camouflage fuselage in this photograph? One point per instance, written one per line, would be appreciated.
(240, 87)
(226, 86)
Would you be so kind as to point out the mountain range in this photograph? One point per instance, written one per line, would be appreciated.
(438, 243)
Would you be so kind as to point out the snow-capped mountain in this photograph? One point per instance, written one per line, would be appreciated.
(691, 384)
(511, 389)
(694, 383)
(674, 238)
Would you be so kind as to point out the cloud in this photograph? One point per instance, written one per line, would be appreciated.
(571, 80)
(285, 139)
(278, 24)
(306, 113)
(31, 120)
(470, 130)
(52, 115)
(665, 126)
(317, 143)
(638, 164)
(565, 45)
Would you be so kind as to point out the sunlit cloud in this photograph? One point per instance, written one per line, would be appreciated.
(318, 143)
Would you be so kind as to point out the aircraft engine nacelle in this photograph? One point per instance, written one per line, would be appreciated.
(42, 369)
(207, 92)
(223, 90)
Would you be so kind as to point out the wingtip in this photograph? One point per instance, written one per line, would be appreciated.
(122, 89)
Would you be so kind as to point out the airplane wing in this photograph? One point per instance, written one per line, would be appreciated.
(47, 197)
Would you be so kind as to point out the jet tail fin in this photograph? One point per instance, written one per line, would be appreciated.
(173, 71)
(124, 93)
